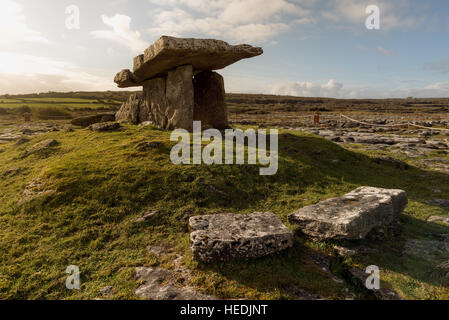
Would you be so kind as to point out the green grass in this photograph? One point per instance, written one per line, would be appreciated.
(103, 184)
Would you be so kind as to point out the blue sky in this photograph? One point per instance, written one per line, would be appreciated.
(312, 47)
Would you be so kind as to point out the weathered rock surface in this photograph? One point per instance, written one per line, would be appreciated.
(41, 146)
(92, 119)
(431, 250)
(210, 106)
(168, 53)
(381, 293)
(126, 79)
(129, 112)
(443, 220)
(34, 189)
(179, 93)
(105, 126)
(225, 237)
(160, 285)
(154, 107)
(352, 216)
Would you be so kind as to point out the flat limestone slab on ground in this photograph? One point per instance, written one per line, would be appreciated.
(352, 216)
(226, 237)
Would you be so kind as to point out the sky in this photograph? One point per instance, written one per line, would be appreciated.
(313, 48)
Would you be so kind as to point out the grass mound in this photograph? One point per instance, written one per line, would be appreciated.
(98, 184)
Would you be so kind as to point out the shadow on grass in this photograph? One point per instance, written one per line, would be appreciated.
(323, 163)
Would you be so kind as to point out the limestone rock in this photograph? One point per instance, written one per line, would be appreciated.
(41, 146)
(129, 112)
(34, 189)
(225, 237)
(106, 126)
(92, 119)
(168, 53)
(381, 293)
(443, 220)
(352, 216)
(126, 79)
(154, 107)
(179, 94)
(159, 285)
(210, 106)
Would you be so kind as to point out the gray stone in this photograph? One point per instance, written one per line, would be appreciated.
(160, 285)
(180, 99)
(226, 237)
(154, 108)
(41, 146)
(168, 53)
(92, 119)
(148, 145)
(34, 189)
(381, 293)
(129, 112)
(126, 79)
(443, 220)
(352, 216)
(106, 126)
(210, 106)
(147, 215)
(105, 291)
(430, 250)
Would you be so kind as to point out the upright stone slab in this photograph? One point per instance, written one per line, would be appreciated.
(226, 237)
(210, 105)
(179, 93)
(129, 112)
(352, 216)
(154, 106)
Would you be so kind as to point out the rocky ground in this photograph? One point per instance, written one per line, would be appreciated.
(132, 219)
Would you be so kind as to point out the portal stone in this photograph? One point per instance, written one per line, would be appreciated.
(179, 92)
(210, 105)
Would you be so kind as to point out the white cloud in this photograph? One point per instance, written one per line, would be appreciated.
(20, 73)
(309, 89)
(121, 33)
(334, 89)
(13, 25)
(249, 20)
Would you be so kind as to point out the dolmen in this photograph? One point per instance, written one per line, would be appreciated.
(179, 83)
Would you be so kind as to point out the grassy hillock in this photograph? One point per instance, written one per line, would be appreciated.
(95, 185)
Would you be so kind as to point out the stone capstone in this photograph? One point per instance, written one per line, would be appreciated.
(126, 79)
(226, 237)
(168, 53)
(352, 216)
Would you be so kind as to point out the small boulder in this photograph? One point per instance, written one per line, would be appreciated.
(106, 126)
(226, 237)
(87, 121)
(41, 146)
(352, 216)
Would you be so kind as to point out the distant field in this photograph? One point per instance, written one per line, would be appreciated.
(56, 105)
